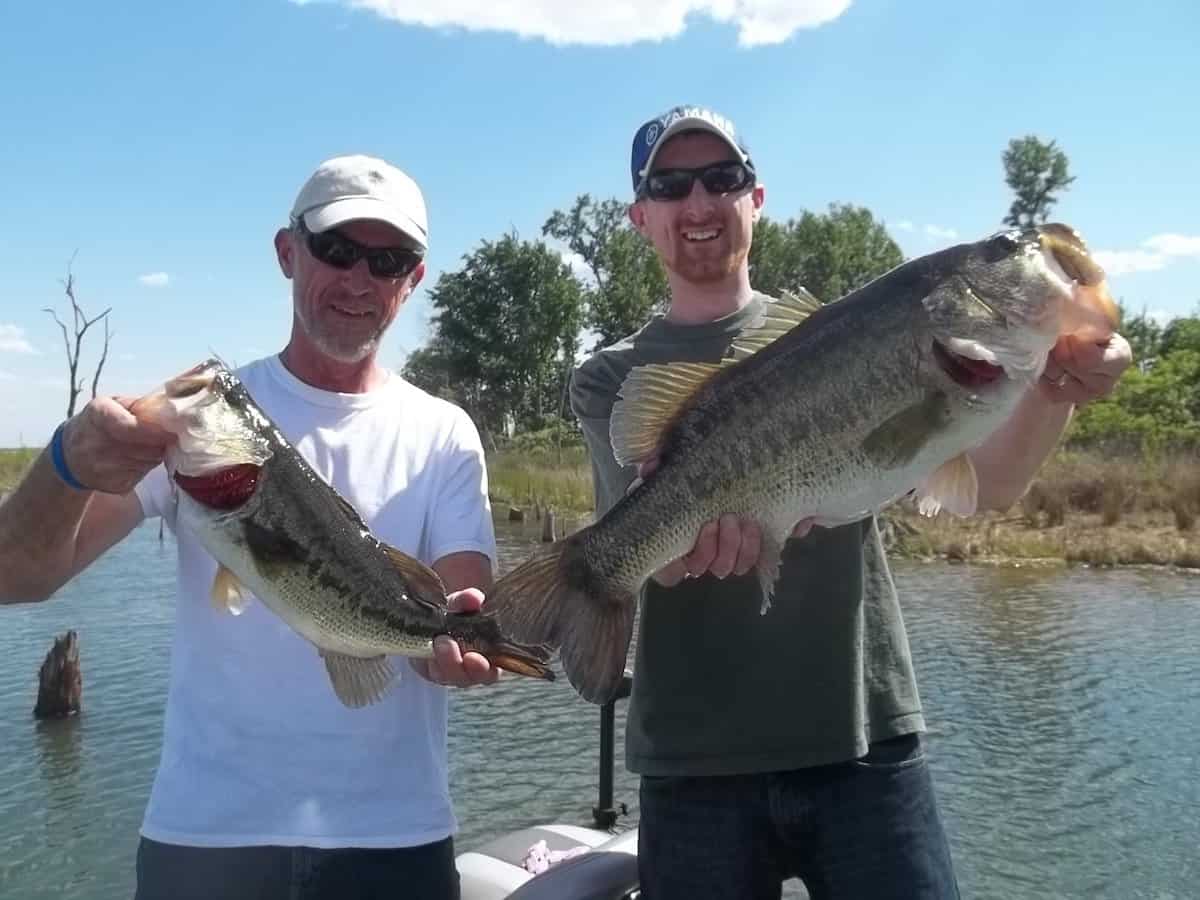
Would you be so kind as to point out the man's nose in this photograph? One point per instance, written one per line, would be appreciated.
(699, 202)
(358, 277)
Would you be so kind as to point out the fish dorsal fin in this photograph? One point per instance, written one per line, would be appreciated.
(228, 594)
(347, 509)
(651, 398)
(777, 319)
(953, 486)
(426, 586)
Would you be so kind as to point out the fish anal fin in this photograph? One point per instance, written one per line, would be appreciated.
(770, 560)
(426, 585)
(358, 681)
(777, 319)
(953, 486)
(227, 593)
(651, 398)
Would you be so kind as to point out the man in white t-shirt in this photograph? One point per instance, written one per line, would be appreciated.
(267, 785)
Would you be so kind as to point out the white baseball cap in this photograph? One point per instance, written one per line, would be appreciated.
(361, 187)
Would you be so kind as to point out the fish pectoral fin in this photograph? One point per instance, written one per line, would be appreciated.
(356, 680)
(651, 398)
(770, 561)
(426, 586)
(953, 486)
(228, 594)
(898, 439)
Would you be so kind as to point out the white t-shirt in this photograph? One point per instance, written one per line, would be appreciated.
(257, 749)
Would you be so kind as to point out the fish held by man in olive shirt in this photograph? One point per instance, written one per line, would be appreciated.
(824, 412)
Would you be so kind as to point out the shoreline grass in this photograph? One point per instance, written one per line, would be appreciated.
(1083, 509)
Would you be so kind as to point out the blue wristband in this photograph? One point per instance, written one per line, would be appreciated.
(60, 460)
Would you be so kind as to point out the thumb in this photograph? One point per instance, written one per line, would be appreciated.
(467, 600)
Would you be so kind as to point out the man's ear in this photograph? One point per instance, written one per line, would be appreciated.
(285, 251)
(637, 216)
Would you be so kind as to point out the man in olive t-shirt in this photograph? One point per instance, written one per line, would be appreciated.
(784, 744)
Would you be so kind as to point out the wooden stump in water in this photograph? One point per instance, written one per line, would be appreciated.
(548, 527)
(516, 514)
(60, 683)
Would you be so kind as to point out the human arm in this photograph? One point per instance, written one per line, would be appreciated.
(50, 531)
(460, 531)
(1076, 373)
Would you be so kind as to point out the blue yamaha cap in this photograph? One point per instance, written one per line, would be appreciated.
(651, 136)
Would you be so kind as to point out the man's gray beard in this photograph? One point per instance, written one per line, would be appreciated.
(336, 350)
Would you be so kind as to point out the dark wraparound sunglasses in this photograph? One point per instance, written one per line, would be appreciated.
(718, 178)
(335, 249)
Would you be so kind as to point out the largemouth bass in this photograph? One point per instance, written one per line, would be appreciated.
(830, 412)
(281, 533)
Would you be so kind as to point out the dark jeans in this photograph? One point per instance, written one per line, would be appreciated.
(172, 872)
(862, 830)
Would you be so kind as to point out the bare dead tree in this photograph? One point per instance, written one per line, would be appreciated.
(81, 324)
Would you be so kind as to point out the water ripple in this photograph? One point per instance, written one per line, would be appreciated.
(1064, 714)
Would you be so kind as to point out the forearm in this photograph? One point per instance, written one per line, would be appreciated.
(39, 525)
(1008, 461)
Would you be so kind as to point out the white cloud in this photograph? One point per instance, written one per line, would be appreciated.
(1173, 245)
(1156, 253)
(577, 265)
(904, 225)
(1124, 262)
(12, 340)
(154, 279)
(602, 22)
(937, 231)
(7, 376)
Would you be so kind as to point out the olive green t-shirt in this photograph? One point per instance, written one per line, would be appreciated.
(718, 687)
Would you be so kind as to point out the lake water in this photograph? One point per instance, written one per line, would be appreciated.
(1064, 709)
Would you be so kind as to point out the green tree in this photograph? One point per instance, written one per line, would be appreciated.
(627, 280)
(1036, 172)
(506, 327)
(1144, 336)
(830, 254)
(1181, 334)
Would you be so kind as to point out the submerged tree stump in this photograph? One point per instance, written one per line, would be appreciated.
(60, 683)
(548, 531)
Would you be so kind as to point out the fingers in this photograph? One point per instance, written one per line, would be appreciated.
(748, 548)
(451, 667)
(646, 467)
(1079, 371)
(726, 546)
(803, 527)
(468, 600)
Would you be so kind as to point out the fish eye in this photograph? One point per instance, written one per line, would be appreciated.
(1001, 246)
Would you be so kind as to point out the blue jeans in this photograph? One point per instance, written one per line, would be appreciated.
(862, 830)
(173, 872)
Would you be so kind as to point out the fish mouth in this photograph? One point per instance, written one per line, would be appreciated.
(964, 370)
(192, 382)
(1091, 309)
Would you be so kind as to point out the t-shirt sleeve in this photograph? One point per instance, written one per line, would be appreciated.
(155, 495)
(592, 398)
(461, 517)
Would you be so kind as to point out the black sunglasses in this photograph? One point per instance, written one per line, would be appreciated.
(718, 178)
(335, 249)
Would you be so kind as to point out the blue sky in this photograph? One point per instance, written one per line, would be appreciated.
(164, 143)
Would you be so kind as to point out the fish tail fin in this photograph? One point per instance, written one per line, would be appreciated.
(559, 600)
